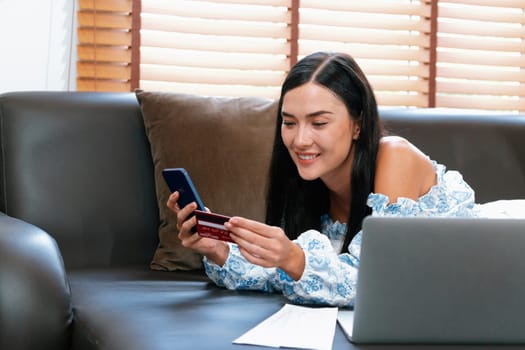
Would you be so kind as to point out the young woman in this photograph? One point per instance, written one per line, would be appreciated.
(331, 167)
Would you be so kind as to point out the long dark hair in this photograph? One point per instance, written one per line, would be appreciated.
(296, 204)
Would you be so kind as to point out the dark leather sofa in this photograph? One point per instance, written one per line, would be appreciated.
(80, 224)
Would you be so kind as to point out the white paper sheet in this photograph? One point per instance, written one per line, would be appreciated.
(295, 327)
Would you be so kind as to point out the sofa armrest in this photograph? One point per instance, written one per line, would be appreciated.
(35, 303)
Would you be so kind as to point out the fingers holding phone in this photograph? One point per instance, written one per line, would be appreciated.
(185, 218)
(215, 250)
(184, 200)
(172, 202)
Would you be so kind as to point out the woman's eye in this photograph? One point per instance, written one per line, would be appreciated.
(319, 124)
(288, 123)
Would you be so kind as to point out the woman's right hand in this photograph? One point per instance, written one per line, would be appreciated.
(215, 250)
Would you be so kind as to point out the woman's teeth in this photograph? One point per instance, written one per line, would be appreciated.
(307, 157)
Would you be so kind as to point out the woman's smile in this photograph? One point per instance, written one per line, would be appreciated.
(307, 158)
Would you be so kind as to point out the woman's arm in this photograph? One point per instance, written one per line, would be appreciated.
(328, 278)
(306, 270)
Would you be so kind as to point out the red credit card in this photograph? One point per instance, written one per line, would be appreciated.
(212, 225)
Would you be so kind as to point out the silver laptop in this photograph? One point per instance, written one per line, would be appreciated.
(439, 280)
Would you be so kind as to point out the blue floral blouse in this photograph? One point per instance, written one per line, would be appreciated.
(330, 278)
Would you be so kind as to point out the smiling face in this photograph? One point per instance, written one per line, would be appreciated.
(318, 132)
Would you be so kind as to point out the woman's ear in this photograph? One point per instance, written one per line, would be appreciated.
(357, 130)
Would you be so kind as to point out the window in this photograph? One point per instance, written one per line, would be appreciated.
(480, 54)
(389, 39)
(426, 53)
(215, 47)
(105, 45)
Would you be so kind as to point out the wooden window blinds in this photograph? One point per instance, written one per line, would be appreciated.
(427, 53)
(390, 40)
(230, 48)
(105, 45)
(480, 59)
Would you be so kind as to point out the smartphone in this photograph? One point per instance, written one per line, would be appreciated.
(179, 180)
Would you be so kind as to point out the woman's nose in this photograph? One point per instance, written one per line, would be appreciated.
(303, 136)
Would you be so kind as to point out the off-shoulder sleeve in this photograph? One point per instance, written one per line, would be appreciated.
(451, 196)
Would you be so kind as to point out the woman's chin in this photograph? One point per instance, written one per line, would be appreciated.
(308, 176)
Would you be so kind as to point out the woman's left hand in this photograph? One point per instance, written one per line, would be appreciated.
(266, 246)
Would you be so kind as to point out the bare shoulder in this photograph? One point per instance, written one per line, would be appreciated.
(399, 148)
(402, 170)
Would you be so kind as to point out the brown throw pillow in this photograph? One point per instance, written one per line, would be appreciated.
(224, 143)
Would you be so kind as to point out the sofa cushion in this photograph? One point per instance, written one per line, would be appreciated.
(227, 158)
